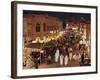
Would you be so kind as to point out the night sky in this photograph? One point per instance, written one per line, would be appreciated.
(64, 16)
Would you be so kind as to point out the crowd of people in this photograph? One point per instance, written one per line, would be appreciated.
(69, 46)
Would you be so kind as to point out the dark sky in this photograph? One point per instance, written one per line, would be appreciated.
(61, 15)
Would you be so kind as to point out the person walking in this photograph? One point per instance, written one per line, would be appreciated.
(63, 56)
(57, 56)
(70, 53)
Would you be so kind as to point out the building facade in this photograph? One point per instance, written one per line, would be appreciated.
(82, 25)
(39, 26)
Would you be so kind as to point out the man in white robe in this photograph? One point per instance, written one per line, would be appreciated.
(61, 60)
(66, 60)
(57, 55)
